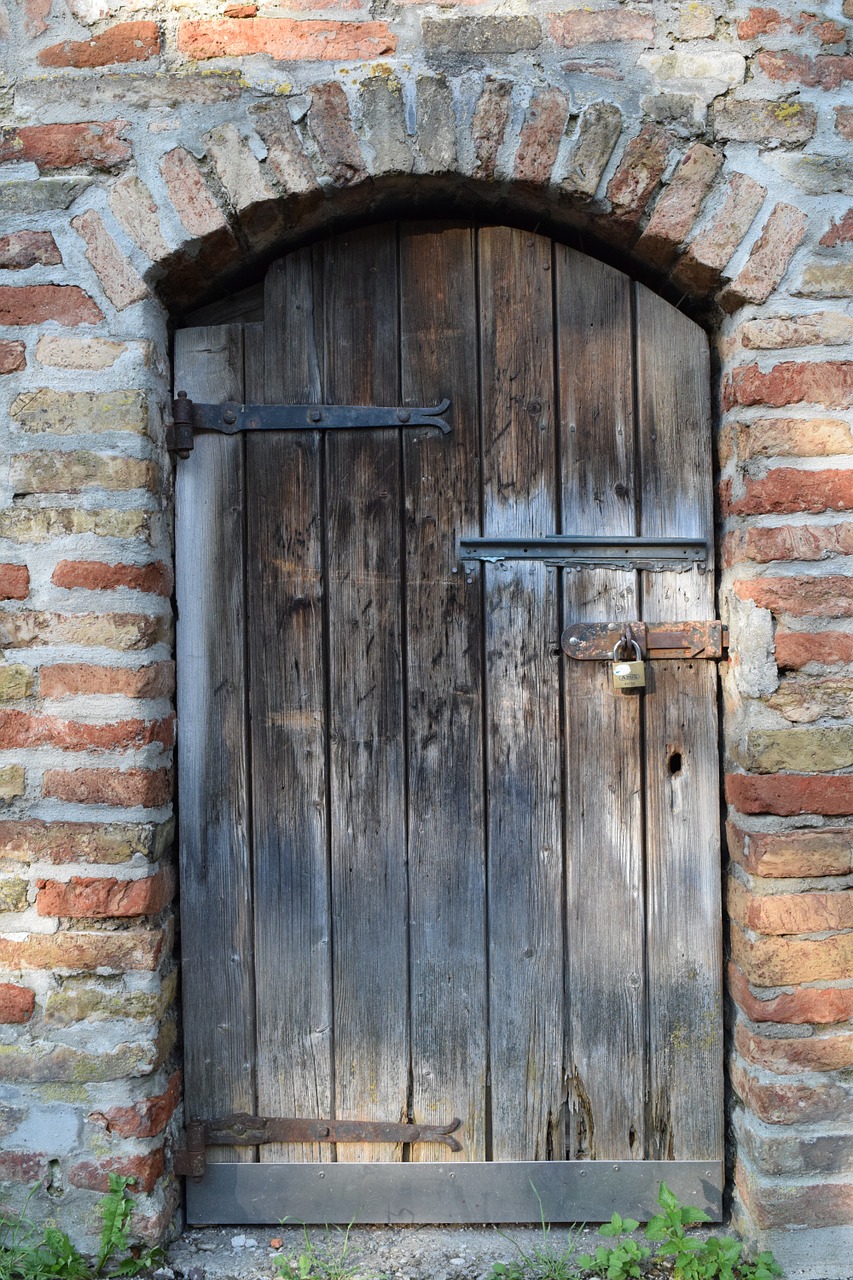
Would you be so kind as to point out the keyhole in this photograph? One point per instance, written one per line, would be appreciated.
(675, 763)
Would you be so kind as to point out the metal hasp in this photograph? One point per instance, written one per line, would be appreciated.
(576, 552)
(254, 1131)
(594, 640)
(230, 418)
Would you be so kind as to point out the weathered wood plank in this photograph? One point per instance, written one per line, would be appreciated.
(522, 616)
(682, 765)
(444, 682)
(216, 889)
(604, 826)
(367, 731)
(288, 718)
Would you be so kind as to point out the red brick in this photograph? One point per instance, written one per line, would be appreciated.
(824, 382)
(240, 10)
(20, 729)
(678, 207)
(16, 1003)
(145, 1170)
(600, 26)
(22, 1166)
(785, 1103)
(190, 194)
(147, 787)
(95, 575)
(638, 174)
(145, 1119)
(788, 1057)
(105, 843)
(14, 582)
(285, 39)
(761, 22)
(28, 249)
(786, 1204)
(826, 71)
(36, 13)
(785, 913)
(703, 263)
(768, 258)
(97, 897)
(794, 853)
(488, 126)
(830, 597)
(790, 793)
(96, 144)
(787, 489)
(68, 678)
(844, 123)
(797, 542)
(119, 281)
(36, 303)
(154, 1228)
(839, 232)
(125, 42)
(820, 1005)
(13, 356)
(329, 122)
(85, 952)
(540, 137)
(794, 649)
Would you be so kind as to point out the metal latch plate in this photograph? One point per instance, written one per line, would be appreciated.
(594, 640)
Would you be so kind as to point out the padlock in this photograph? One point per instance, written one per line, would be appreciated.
(628, 675)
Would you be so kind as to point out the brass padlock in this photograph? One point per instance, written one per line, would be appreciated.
(628, 675)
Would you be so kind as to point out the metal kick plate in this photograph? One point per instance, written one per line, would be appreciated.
(449, 1193)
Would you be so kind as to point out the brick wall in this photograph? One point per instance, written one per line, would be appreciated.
(704, 147)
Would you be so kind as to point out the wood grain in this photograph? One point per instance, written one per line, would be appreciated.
(444, 682)
(521, 611)
(682, 763)
(604, 821)
(285, 589)
(217, 961)
(366, 656)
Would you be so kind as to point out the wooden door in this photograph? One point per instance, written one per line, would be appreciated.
(429, 867)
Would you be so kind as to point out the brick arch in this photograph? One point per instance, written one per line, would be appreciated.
(666, 209)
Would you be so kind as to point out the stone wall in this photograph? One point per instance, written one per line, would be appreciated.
(152, 156)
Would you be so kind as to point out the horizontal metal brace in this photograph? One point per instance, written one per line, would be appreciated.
(577, 552)
(595, 641)
(230, 418)
(243, 1130)
(452, 1192)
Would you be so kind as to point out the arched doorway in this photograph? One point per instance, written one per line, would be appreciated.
(434, 867)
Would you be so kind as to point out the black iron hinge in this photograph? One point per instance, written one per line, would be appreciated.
(245, 1130)
(231, 418)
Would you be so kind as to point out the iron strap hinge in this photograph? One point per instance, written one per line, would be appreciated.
(231, 418)
(244, 1130)
(595, 640)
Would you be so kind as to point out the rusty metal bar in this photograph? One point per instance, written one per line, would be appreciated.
(594, 641)
(254, 1131)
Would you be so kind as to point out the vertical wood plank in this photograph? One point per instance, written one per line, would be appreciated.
(215, 858)
(367, 732)
(682, 764)
(444, 682)
(604, 834)
(522, 617)
(285, 589)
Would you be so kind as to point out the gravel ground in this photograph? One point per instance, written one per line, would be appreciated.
(398, 1253)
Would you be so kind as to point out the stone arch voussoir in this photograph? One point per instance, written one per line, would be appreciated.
(664, 207)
